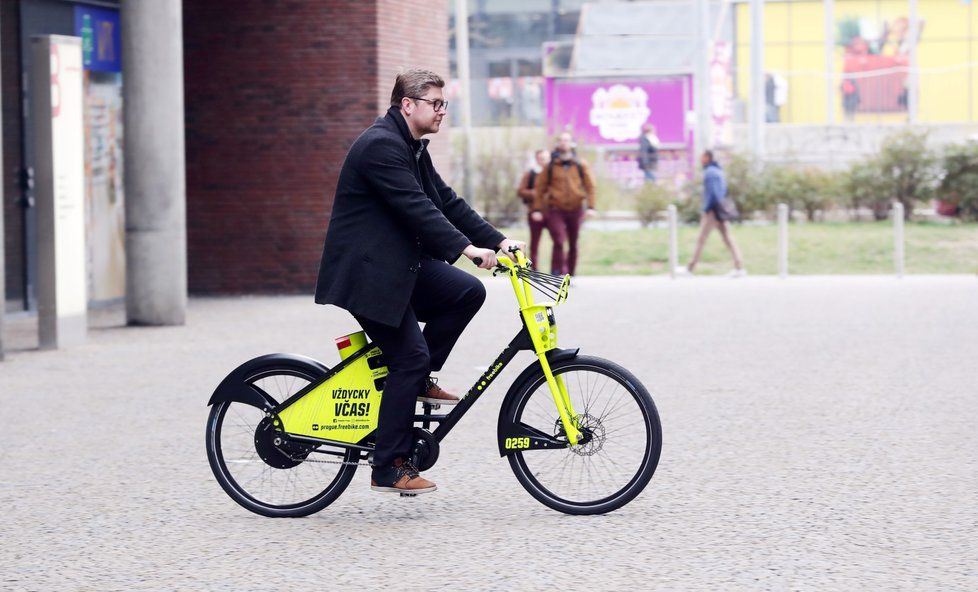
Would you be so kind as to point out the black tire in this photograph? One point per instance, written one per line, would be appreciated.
(322, 484)
(617, 464)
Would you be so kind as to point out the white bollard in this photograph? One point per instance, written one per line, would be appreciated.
(898, 255)
(673, 218)
(782, 240)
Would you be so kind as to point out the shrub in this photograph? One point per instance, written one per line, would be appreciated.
(911, 167)
(609, 194)
(651, 200)
(959, 185)
(494, 190)
(809, 190)
(743, 184)
(905, 170)
(689, 202)
(497, 166)
(867, 188)
(817, 190)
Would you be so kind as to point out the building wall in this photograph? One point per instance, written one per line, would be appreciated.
(275, 94)
(401, 47)
(13, 235)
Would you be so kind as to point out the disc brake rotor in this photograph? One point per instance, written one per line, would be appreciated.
(592, 430)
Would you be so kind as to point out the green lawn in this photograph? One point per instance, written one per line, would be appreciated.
(829, 248)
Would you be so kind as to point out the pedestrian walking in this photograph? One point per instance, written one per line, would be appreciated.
(718, 210)
(648, 152)
(563, 190)
(527, 193)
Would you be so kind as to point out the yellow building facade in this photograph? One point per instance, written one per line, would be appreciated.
(870, 71)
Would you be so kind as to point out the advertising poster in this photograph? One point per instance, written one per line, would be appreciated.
(99, 30)
(609, 115)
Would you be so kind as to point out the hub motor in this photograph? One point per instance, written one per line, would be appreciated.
(275, 449)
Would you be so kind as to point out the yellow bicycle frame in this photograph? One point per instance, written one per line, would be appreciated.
(542, 327)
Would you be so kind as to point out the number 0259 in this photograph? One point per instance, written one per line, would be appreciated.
(522, 442)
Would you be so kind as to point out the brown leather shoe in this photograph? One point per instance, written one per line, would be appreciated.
(435, 395)
(401, 477)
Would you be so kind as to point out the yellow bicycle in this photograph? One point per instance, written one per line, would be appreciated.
(286, 434)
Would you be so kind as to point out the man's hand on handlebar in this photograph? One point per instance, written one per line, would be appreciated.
(507, 245)
(484, 258)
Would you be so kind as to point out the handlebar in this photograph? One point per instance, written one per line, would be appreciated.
(478, 260)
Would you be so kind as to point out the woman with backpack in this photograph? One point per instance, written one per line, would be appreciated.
(526, 193)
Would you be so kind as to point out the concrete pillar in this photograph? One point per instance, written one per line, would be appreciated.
(155, 170)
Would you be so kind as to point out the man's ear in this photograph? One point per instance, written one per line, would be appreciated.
(407, 105)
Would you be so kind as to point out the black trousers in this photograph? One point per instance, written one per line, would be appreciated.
(445, 299)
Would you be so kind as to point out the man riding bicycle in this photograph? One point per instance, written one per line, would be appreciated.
(394, 228)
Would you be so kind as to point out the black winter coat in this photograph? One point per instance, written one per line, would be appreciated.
(391, 209)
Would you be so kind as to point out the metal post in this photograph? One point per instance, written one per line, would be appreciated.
(757, 103)
(782, 240)
(465, 90)
(673, 218)
(913, 80)
(702, 136)
(829, 25)
(898, 255)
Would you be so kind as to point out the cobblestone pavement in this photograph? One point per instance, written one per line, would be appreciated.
(819, 434)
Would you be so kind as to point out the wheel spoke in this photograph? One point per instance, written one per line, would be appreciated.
(286, 480)
(610, 467)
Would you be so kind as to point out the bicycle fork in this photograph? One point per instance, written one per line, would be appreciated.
(568, 417)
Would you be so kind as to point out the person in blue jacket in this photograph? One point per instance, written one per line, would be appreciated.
(716, 214)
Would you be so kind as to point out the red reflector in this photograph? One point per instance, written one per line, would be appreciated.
(342, 342)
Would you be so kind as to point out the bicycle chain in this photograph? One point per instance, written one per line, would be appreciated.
(332, 462)
(323, 462)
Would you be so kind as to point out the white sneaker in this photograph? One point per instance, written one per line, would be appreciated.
(737, 273)
(682, 270)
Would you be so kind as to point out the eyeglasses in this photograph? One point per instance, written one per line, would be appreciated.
(436, 104)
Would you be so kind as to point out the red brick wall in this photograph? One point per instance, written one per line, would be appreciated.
(275, 94)
(405, 46)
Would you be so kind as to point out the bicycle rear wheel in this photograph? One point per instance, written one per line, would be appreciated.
(620, 454)
(275, 480)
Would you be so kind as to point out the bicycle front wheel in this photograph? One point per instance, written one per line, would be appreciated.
(620, 452)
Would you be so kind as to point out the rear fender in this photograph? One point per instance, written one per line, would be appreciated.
(237, 387)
